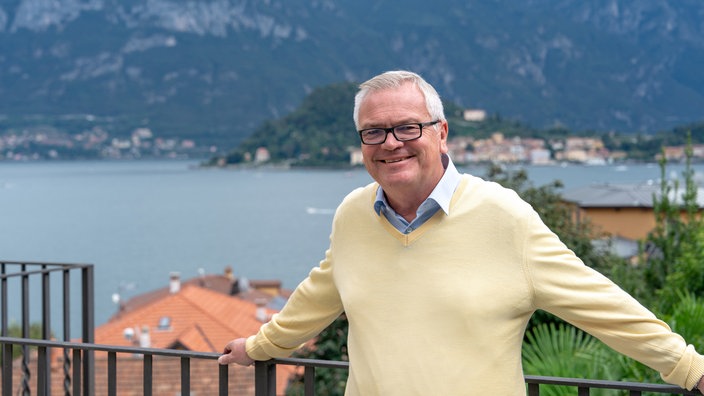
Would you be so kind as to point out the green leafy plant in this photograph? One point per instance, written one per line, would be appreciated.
(672, 259)
(15, 330)
(564, 351)
(331, 344)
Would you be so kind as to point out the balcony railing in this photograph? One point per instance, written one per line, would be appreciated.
(24, 283)
(33, 369)
(265, 372)
(77, 353)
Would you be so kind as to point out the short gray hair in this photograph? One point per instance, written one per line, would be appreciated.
(394, 79)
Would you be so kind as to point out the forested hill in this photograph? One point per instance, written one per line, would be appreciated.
(214, 70)
(320, 132)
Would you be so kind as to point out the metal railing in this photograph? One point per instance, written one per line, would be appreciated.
(79, 357)
(21, 282)
(265, 372)
(584, 386)
(266, 380)
(78, 351)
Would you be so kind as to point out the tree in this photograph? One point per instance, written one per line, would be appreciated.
(673, 254)
(559, 217)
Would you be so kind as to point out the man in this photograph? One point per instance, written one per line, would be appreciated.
(439, 273)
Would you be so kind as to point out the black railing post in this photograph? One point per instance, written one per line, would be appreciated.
(264, 378)
(66, 316)
(223, 380)
(3, 301)
(7, 369)
(88, 329)
(112, 374)
(185, 376)
(77, 371)
(309, 381)
(46, 325)
(147, 375)
(533, 389)
(43, 377)
(26, 374)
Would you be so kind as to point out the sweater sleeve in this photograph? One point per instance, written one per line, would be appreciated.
(313, 306)
(315, 303)
(565, 287)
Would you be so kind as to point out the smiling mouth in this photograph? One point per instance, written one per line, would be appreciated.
(392, 161)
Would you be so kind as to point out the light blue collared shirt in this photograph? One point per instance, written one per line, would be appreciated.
(438, 199)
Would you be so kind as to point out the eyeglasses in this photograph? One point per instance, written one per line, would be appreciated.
(402, 133)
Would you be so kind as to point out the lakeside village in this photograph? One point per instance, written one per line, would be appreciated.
(96, 143)
(517, 150)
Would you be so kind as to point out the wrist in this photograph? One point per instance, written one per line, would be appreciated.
(699, 385)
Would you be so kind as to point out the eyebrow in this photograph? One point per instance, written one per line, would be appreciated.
(408, 121)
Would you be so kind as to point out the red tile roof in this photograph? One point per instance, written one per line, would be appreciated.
(199, 319)
(256, 290)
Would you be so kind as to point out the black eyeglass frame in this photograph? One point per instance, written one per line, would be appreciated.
(392, 130)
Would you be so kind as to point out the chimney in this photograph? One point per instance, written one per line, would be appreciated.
(234, 287)
(261, 310)
(128, 333)
(145, 340)
(174, 282)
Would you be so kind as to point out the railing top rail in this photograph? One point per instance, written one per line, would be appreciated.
(29, 273)
(109, 348)
(311, 363)
(44, 268)
(51, 264)
(605, 384)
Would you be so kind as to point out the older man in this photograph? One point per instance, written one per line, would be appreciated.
(439, 272)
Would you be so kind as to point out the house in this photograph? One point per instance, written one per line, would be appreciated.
(201, 314)
(623, 211)
(474, 115)
(257, 291)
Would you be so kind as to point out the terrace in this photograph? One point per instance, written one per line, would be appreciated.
(82, 362)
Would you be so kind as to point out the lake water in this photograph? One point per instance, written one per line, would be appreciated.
(139, 221)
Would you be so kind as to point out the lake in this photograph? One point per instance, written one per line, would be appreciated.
(138, 221)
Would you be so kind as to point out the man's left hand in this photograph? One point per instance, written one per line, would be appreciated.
(235, 352)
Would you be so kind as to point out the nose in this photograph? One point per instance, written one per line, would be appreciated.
(391, 143)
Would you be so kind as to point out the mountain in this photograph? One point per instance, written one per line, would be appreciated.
(214, 70)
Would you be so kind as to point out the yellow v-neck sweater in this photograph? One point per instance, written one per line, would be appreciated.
(442, 311)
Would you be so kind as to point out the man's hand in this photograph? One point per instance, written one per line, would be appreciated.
(235, 352)
(700, 385)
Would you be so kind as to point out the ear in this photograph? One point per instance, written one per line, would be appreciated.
(444, 129)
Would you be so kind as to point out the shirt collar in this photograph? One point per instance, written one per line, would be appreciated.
(442, 193)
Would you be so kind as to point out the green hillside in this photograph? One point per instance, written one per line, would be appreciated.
(320, 132)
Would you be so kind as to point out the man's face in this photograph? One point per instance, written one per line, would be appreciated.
(412, 166)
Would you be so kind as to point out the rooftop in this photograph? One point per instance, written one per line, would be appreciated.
(200, 314)
(620, 195)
